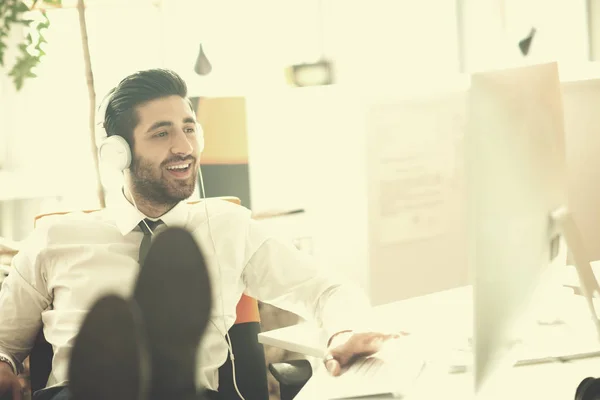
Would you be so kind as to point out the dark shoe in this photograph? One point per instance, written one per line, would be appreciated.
(174, 295)
(109, 359)
(588, 389)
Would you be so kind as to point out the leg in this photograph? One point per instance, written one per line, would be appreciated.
(174, 295)
(109, 359)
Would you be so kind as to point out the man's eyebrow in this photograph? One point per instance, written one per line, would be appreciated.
(159, 124)
(162, 124)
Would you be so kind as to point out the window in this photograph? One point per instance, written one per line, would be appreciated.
(377, 41)
(47, 125)
(561, 28)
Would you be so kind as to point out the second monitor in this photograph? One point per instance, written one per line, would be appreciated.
(517, 206)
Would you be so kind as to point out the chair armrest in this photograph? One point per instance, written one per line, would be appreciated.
(291, 373)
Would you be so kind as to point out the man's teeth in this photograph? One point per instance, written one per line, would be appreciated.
(182, 166)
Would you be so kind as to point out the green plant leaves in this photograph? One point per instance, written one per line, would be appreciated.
(15, 14)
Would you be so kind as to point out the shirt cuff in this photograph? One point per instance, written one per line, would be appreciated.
(7, 359)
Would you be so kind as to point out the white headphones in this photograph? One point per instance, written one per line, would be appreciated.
(114, 151)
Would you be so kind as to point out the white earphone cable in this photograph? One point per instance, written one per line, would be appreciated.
(228, 339)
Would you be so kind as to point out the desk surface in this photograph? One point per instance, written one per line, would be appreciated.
(448, 312)
(533, 382)
(307, 338)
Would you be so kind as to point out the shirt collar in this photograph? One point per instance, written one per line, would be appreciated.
(127, 217)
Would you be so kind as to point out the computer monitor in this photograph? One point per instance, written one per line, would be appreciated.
(517, 207)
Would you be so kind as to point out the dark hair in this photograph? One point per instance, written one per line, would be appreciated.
(138, 88)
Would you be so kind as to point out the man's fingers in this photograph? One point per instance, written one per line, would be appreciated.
(333, 366)
(360, 345)
(375, 341)
(396, 335)
(386, 336)
(338, 359)
(370, 336)
(376, 344)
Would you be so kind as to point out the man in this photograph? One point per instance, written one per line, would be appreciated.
(71, 261)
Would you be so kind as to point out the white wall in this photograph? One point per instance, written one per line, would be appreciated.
(582, 126)
(490, 31)
(307, 150)
(306, 145)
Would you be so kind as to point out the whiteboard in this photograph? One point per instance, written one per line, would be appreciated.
(416, 223)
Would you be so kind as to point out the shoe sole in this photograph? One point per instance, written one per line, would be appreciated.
(108, 359)
(174, 296)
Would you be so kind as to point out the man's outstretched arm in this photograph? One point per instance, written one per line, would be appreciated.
(279, 274)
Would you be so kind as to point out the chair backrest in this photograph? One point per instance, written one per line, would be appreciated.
(230, 199)
(251, 370)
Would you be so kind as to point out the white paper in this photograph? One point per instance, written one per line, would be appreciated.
(412, 163)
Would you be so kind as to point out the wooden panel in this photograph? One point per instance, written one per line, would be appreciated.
(223, 120)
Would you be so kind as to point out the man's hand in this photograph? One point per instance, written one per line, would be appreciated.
(9, 382)
(345, 347)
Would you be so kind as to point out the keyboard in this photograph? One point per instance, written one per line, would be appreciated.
(394, 371)
(366, 377)
(391, 373)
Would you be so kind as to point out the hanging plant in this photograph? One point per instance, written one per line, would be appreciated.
(16, 13)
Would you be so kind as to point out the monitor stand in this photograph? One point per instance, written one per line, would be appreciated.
(565, 224)
(562, 224)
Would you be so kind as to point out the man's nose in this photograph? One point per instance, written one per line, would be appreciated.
(182, 145)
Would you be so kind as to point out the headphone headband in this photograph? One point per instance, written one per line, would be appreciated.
(101, 132)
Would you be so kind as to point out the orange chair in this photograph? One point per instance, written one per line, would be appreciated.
(251, 370)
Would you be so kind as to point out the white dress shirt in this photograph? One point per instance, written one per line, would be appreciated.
(69, 261)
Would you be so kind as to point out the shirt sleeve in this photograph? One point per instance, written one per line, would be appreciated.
(279, 274)
(23, 297)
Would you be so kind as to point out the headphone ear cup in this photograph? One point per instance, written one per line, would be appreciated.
(201, 143)
(114, 152)
(200, 139)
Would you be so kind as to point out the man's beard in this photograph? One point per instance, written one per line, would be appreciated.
(153, 187)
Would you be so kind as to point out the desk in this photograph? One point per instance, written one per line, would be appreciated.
(446, 316)
(451, 305)
(552, 381)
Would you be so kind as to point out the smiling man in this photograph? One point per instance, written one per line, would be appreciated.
(164, 135)
(71, 261)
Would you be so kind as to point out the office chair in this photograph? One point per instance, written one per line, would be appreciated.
(292, 376)
(251, 371)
